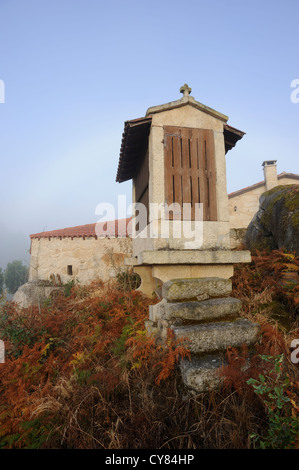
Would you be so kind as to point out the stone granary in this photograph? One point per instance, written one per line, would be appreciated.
(175, 156)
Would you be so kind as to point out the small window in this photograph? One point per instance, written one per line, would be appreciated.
(70, 270)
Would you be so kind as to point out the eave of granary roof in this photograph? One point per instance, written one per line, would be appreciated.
(134, 142)
(231, 136)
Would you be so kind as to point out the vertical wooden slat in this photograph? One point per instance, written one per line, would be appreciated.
(211, 171)
(177, 168)
(168, 163)
(185, 168)
(201, 173)
(194, 171)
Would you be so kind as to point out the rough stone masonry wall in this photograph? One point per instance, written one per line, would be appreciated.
(247, 204)
(90, 258)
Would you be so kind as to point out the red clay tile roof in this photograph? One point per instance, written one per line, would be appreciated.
(247, 188)
(113, 228)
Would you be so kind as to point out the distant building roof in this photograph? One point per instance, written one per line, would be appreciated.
(109, 229)
(262, 183)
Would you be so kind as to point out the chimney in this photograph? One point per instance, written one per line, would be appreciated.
(270, 174)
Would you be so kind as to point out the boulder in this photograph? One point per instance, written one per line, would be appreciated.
(34, 293)
(202, 373)
(276, 224)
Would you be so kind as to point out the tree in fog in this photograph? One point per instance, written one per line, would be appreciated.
(15, 275)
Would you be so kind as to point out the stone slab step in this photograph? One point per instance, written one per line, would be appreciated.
(179, 290)
(211, 337)
(206, 310)
(203, 373)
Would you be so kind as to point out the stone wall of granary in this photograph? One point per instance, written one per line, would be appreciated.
(215, 233)
(242, 207)
(85, 259)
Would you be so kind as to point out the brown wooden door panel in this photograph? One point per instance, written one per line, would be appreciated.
(190, 172)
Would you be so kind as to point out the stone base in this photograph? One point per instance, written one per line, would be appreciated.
(168, 272)
(217, 336)
(205, 311)
(202, 313)
(183, 257)
(148, 284)
(156, 267)
(202, 374)
(179, 290)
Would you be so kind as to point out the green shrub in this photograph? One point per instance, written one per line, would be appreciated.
(273, 390)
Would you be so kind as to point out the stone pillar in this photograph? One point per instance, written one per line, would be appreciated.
(201, 312)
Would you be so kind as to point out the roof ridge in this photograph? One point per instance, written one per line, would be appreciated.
(261, 183)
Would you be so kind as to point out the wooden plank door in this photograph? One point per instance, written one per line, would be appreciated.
(190, 173)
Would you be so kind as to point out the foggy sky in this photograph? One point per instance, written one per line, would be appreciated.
(74, 71)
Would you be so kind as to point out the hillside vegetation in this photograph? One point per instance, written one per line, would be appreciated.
(81, 372)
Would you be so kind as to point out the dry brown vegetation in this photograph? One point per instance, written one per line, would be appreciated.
(82, 373)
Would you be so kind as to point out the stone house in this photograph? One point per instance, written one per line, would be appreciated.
(244, 203)
(85, 252)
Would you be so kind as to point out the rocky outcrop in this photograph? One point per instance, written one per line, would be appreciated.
(34, 293)
(276, 224)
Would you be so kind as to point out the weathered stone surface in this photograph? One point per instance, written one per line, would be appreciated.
(237, 237)
(158, 257)
(203, 373)
(157, 311)
(91, 258)
(196, 289)
(151, 328)
(213, 337)
(207, 310)
(34, 293)
(276, 224)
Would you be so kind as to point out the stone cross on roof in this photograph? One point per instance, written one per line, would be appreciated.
(186, 90)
